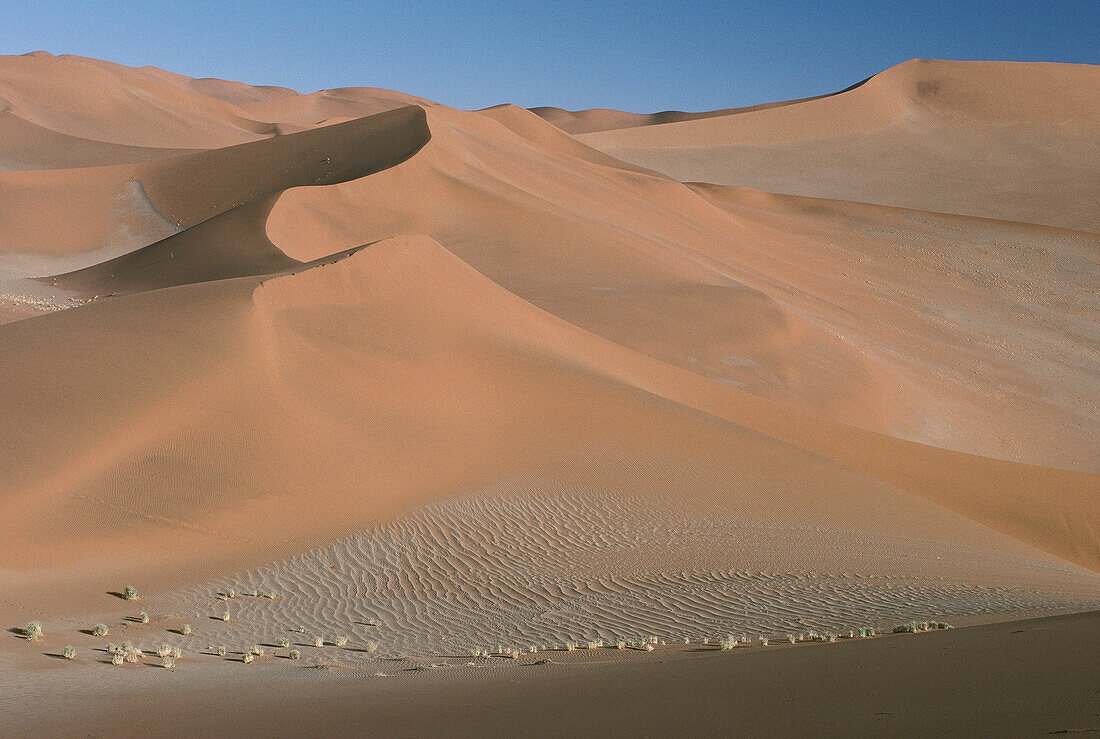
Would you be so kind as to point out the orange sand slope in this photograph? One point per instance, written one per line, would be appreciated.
(463, 376)
(1012, 141)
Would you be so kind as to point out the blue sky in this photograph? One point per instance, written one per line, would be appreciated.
(642, 56)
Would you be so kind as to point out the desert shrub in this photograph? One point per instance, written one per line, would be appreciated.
(371, 646)
(68, 653)
(231, 593)
(33, 630)
(168, 662)
(117, 659)
(129, 592)
(247, 659)
(594, 644)
(318, 641)
(225, 616)
(649, 647)
(220, 651)
(570, 646)
(112, 648)
(257, 650)
(340, 641)
(283, 642)
(295, 654)
(185, 629)
(532, 649)
(791, 638)
(164, 650)
(143, 617)
(620, 644)
(177, 652)
(133, 655)
(763, 641)
(727, 643)
(127, 646)
(99, 630)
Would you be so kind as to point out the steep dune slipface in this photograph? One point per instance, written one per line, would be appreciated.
(1001, 140)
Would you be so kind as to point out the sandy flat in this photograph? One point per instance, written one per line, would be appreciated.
(447, 382)
(1018, 678)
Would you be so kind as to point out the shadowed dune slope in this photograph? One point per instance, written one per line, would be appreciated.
(237, 186)
(1012, 141)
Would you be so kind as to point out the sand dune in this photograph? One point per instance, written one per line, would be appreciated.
(450, 380)
(1011, 141)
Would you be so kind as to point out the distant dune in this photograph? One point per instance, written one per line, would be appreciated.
(445, 380)
(1011, 141)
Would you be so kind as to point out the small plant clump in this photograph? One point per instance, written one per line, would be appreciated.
(112, 648)
(371, 646)
(340, 641)
(168, 663)
(570, 646)
(257, 650)
(117, 659)
(177, 652)
(185, 629)
(283, 642)
(68, 653)
(143, 617)
(220, 651)
(247, 659)
(728, 642)
(620, 644)
(132, 655)
(99, 630)
(914, 627)
(231, 593)
(318, 642)
(164, 650)
(129, 593)
(594, 644)
(225, 616)
(865, 632)
(791, 638)
(763, 641)
(33, 630)
(294, 654)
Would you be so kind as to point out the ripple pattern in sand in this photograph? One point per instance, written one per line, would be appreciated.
(569, 565)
